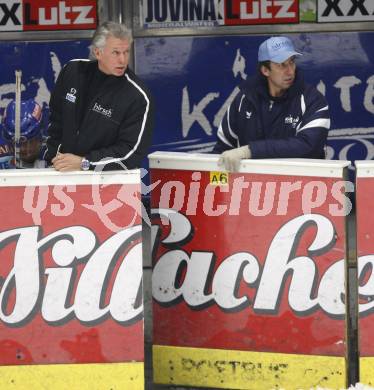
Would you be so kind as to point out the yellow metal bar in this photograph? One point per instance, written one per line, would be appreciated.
(106, 376)
(226, 369)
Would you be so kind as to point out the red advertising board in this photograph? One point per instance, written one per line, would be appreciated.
(238, 12)
(249, 262)
(35, 15)
(365, 256)
(71, 268)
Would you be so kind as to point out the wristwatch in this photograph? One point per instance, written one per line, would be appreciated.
(85, 164)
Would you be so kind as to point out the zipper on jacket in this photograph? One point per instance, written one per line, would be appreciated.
(271, 105)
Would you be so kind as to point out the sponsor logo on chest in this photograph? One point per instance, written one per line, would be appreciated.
(290, 120)
(103, 111)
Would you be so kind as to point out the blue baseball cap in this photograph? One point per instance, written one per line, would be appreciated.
(276, 49)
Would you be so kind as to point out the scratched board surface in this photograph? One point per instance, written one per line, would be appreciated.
(365, 251)
(194, 78)
(208, 300)
(64, 265)
(247, 285)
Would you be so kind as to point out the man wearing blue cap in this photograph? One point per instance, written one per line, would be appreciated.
(275, 114)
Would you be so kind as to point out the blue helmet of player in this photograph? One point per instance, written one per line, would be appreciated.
(30, 121)
(30, 128)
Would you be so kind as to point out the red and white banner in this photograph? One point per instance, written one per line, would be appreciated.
(251, 262)
(238, 12)
(37, 15)
(365, 266)
(70, 269)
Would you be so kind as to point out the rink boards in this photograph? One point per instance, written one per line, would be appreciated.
(71, 270)
(365, 257)
(249, 272)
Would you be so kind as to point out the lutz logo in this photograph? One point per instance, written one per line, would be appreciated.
(31, 15)
(101, 110)
(61, 292)
(261, 11)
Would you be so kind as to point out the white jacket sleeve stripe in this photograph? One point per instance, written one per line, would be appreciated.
(112, 160)
(222, 137)
(322, 122)
(303, 106)
(241, 100)
(233, 135)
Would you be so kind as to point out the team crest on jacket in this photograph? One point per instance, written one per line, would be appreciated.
(70, 96)
(291, 121)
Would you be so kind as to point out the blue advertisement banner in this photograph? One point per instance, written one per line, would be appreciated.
(40, 63)
(193, 80)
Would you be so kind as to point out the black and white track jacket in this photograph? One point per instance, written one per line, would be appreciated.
(116, 127)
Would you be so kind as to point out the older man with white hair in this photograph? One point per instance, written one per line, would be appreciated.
(101, 112)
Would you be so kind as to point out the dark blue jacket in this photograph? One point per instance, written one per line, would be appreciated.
(293, 125)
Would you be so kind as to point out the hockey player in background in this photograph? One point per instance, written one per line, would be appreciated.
(6, 154)
(31, 139)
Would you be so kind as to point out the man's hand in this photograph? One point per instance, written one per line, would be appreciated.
(231, 158)
(65, 162)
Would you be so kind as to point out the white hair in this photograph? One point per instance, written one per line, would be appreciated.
(105, 30)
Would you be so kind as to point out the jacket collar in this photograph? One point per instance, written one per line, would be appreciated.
(257, 86)
(89, 67)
